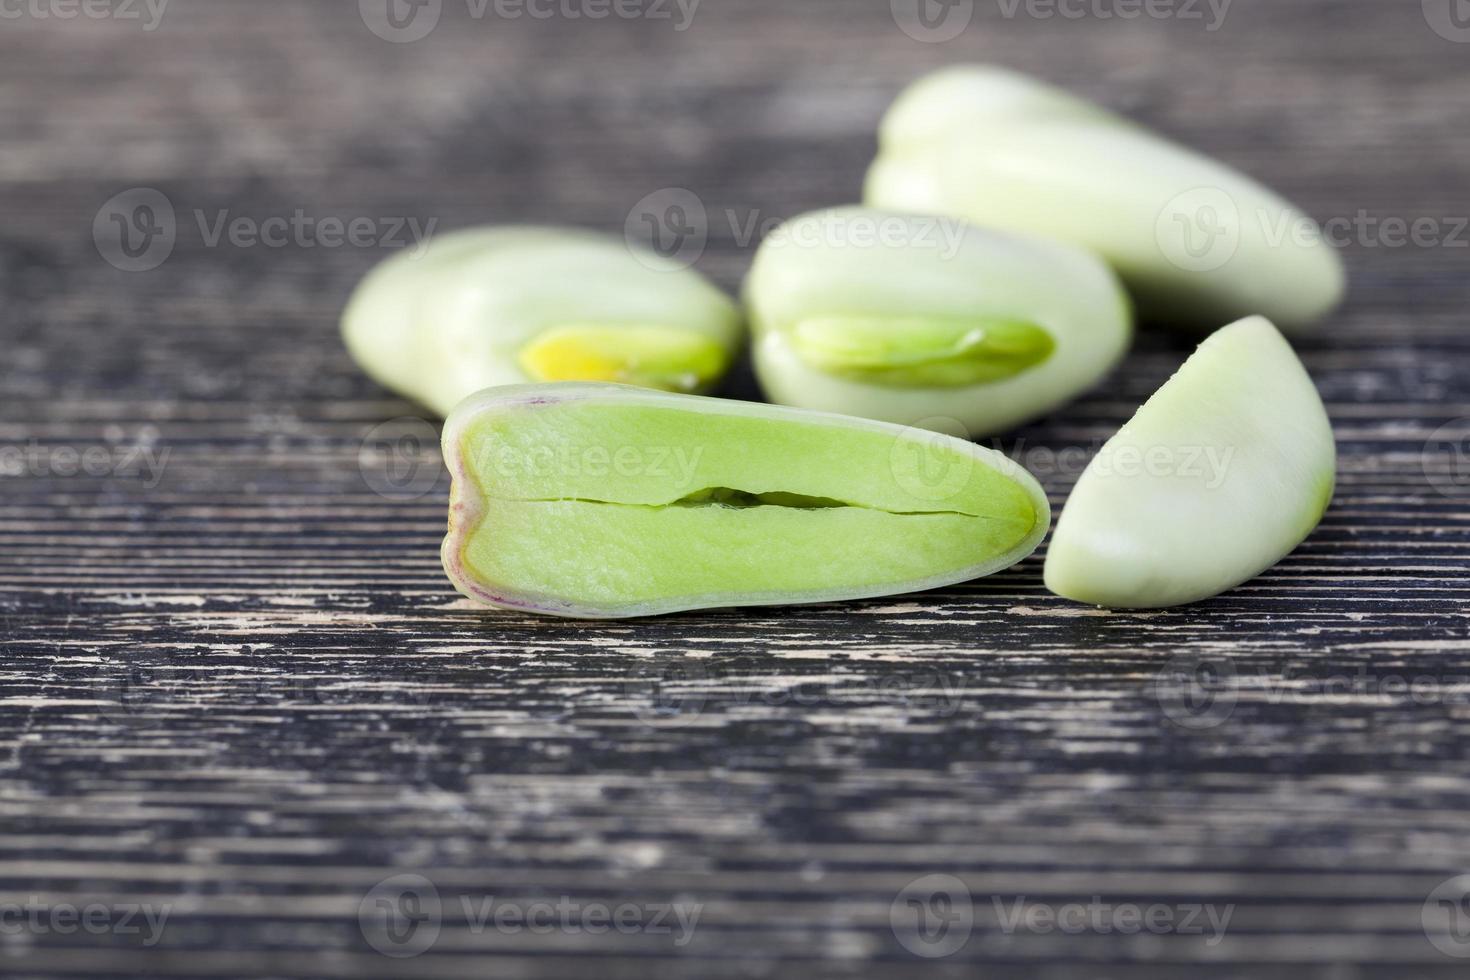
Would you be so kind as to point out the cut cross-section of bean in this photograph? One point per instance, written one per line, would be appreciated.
(593, 500)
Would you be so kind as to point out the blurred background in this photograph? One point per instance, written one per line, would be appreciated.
(541, 110)
(238, 686)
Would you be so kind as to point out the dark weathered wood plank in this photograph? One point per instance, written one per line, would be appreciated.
(236, 686)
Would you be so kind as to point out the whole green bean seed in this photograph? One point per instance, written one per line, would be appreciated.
(1220, 474)
(905, 318)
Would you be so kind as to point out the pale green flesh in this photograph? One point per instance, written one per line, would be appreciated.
(610, 506)
(918, 352)
(1220, 474)
(618, 555)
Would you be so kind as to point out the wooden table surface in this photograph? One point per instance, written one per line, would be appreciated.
(239, 694)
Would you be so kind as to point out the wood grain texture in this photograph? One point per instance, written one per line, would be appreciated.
(237, 686)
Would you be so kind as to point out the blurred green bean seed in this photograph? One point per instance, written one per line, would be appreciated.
(517, 304)
(1198, 243)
